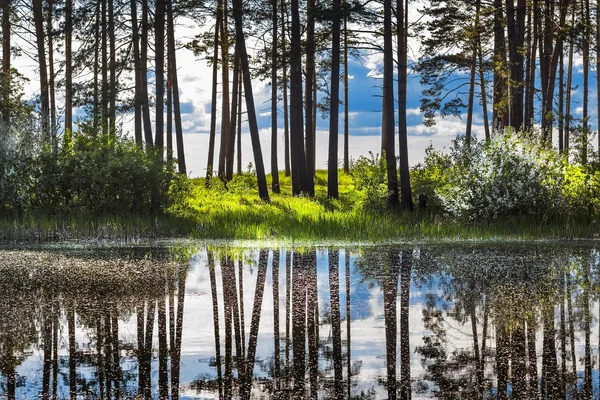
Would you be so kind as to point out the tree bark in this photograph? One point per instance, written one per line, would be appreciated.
(224, 42)
(334, 95)
(213, 104)
(309, 85)
(388, 105)
(298, 156)
(346, 101)
(6, 81)
(181, 166)
(274, 167)
(68, 65)
(137, 102)
(144, 77)
(241, 47)
(112, 70)
(159, 66)
(41, 50)
(51, 87)
(104, 60)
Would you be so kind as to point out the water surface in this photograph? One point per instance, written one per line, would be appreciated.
(452, 321)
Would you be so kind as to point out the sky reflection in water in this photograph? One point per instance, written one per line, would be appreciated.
(468, 321)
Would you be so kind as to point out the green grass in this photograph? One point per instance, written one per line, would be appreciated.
(240, 214)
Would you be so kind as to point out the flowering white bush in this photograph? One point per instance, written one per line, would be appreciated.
(512, 175)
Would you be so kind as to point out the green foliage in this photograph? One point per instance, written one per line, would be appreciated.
(514, 175)
(581, 190)
(369, 176)
(430, 176)
(101, 175)
(90, 175)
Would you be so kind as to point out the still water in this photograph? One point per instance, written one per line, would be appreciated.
(450, 321)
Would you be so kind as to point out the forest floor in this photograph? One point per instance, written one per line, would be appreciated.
(239, 214)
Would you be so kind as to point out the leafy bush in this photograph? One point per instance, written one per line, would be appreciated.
(513, 175)
(19, 144)
(101, 175)
(90, 174)
(369, 176)
(581, 190)
(429, 177)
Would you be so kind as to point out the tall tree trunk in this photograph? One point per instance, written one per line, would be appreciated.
(516, 40)
(181, 166)
(239, 126)
(41, 50)
(276, 340)
(176, 351)
(598, 63)
(288, 306)
(309, 86)
(482, 82)
(563, 334)
(241, 297)
(390, 294)
(100, 356)
(169, 105)
(532, 358)
(225, 91)
(405, 278)
(499, 111)
(519, 358)
(387, 133)
(159, 72)
(336, 332)
(587, 361)
(254, 325)
(241, 47)
(50, 34)
(334, 95)
(406, 192)
(550, 382)
(232, 124)
(561, 103)
(284, 62)
(298, 297)
(586, 72)
(68, 66)
(104, 60)
(137, 105)
(471, 96)
(213, 104)
(47, 349)
(571, 326)
(274, 166)
(346, 100)
(112, 70)
(5, 83)
(144, 76)
(149, 330)
(502, 356)
(348, 322)
(298, 156)
(96, 109)
(72, 352)
(215, 308)
(55, 326)
(567, 138)
(163, 351)
(530, 57)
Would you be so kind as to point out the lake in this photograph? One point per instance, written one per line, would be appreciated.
(446, 321)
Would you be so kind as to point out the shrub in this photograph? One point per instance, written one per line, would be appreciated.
(513, 175)
(429, 177)
(100, 175)
(369, 176)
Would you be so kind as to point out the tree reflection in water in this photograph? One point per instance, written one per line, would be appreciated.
(476, 322)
